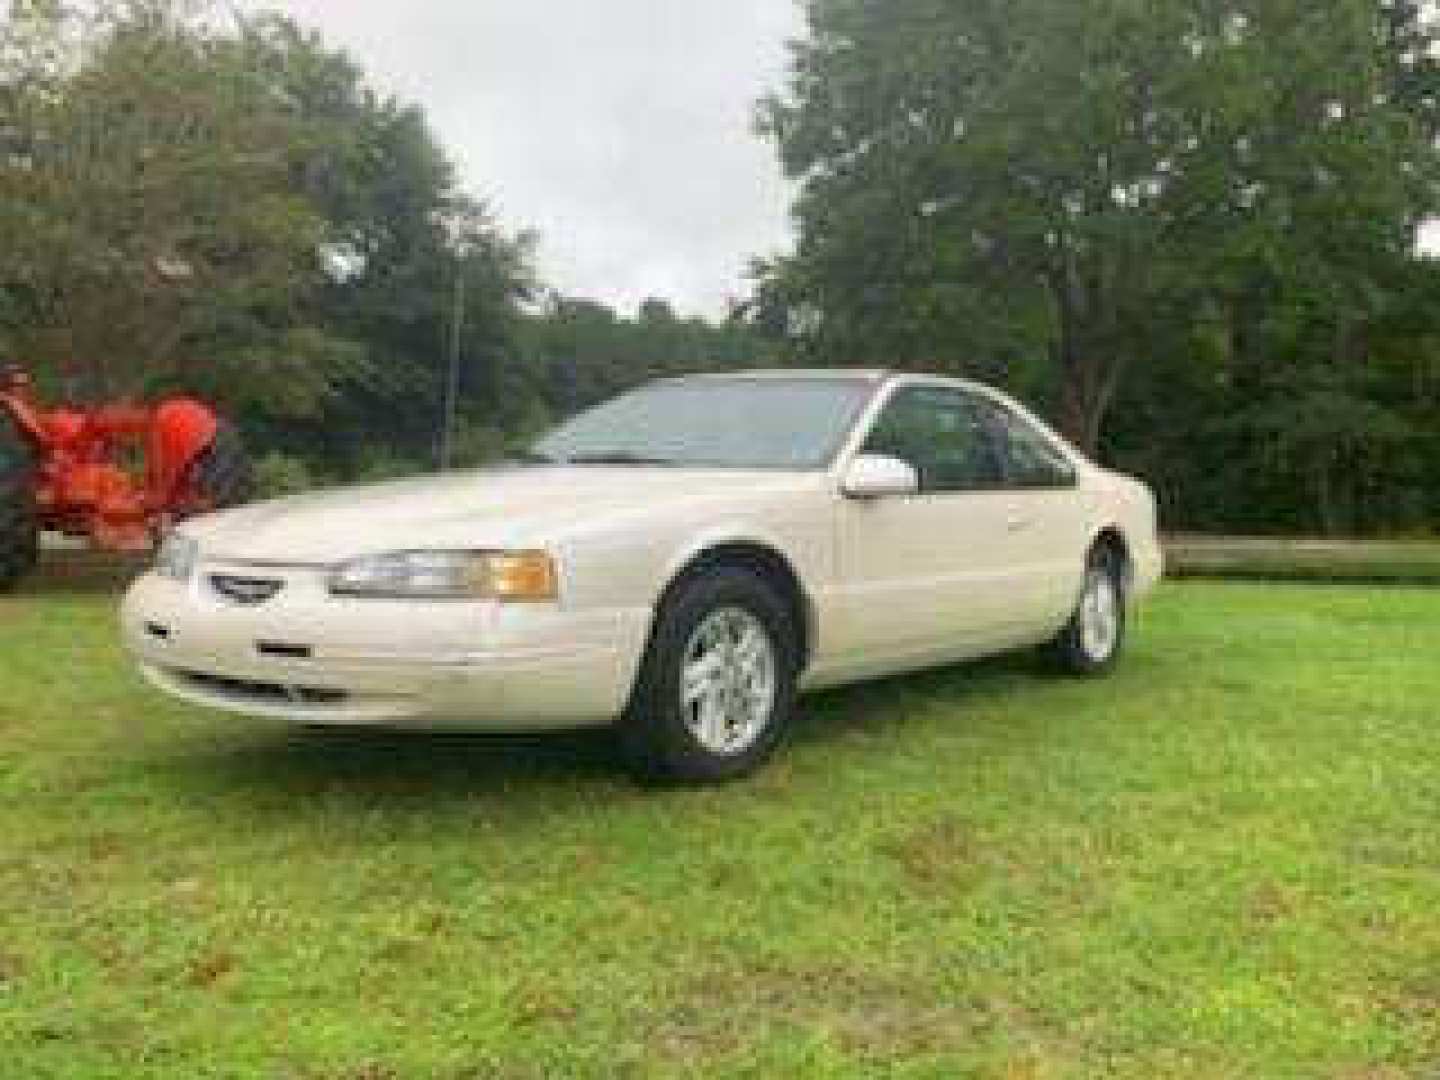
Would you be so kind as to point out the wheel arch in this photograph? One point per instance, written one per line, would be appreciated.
(760, 557)
(1112, 537)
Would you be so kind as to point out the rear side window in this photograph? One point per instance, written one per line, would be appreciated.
(1030, 460)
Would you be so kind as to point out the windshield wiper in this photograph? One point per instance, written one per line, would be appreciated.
(619, 457)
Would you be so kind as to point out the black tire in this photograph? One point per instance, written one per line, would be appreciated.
(19, 527)
(1079, 652)
(223, 474)
(655, 732)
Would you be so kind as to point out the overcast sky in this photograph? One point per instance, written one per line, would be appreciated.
(618, 129)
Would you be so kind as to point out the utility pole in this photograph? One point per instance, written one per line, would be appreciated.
(452, 386)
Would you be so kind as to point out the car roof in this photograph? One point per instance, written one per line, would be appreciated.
(859, 374)
(875, 376)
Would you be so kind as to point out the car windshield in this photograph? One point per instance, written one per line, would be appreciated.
(739, 423)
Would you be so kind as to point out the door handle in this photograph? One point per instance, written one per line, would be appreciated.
(1017, 522)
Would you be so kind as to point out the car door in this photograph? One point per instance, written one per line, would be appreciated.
(1047, 522)
(926, 577)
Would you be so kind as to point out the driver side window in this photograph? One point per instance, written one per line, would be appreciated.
(943, 434)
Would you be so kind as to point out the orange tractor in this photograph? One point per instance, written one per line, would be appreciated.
(79, 471)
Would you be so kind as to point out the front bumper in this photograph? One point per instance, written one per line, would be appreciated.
(312, 658)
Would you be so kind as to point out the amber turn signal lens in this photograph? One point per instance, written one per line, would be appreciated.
(527, 576)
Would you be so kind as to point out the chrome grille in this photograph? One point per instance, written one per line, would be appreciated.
(248, 591)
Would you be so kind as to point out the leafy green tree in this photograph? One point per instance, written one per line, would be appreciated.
(403, 241)
(225, 204)
(581, 351)
(149, 229)
(1061, 187)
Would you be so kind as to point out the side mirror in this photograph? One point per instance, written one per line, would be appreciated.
(878, 476)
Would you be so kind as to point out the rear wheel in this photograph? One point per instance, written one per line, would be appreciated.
(717, 684)
(1091, 641)
(223, 475)
(19, 528)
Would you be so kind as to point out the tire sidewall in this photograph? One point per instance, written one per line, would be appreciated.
(1073, 652)
(654, 735)
(19, 528)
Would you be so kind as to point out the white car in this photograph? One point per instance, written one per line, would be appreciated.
(678, 563)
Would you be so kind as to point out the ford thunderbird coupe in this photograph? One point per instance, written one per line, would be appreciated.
(678, 563)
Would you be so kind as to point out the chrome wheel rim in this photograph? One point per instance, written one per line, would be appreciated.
(1099, 615)
(727, 685)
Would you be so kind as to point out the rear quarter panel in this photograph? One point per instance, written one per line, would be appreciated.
(1128, 505)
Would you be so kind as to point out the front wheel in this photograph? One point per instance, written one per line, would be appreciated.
(716, 687)
(1091, 641)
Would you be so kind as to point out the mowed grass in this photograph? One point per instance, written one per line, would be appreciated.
(1222, 862)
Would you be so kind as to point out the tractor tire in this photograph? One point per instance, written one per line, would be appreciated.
(19, 527)
(223, 475)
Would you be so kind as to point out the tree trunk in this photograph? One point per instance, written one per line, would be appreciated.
(1088, 376)
(1324, 498)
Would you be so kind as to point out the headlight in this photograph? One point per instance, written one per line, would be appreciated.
(177, 557)
(517, 576)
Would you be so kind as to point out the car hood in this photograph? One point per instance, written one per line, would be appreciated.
(506, 506)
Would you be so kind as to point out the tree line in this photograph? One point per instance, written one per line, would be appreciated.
(199, 200)
(1186, 229)
(1189, 227)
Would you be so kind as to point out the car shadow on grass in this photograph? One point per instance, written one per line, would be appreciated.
(388, 766)
(885, 705)
(424, 771)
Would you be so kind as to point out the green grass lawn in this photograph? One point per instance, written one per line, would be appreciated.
(1222, 862)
